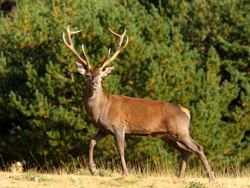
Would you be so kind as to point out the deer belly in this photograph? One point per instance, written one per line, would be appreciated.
(142, 127)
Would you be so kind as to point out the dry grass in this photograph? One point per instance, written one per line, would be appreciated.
(156, 175)
(108, 179)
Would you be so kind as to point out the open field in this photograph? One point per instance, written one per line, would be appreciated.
(109, 175)
(114, 179)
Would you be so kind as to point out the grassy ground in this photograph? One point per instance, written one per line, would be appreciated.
(108, 175)
(107, 179)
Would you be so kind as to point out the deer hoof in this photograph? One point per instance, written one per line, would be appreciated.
(125, 174)
(211, 178)
(92, 168)
(181, 176)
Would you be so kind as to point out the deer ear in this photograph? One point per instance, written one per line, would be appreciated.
(80, 68)
(108, 70)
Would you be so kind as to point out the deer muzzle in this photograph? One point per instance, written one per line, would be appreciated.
(94, 84)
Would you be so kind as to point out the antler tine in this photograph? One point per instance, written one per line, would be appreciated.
(119, 48)
(107, 56)
(71, 47)
(85, 56)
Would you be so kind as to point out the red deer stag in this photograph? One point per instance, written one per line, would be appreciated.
(120, 115)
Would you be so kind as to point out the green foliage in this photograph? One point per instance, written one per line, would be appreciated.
(31, 176)
(191, 53)
(196, 184)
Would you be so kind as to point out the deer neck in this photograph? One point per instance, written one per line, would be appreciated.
(94, 100)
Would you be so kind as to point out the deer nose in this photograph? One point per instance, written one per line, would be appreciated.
(94, 83)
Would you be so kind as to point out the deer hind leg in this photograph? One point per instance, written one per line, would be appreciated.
(183, 151)
(120, 139)
(98, 137)
(198, 150)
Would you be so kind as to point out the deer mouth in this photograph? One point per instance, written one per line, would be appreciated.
(94, 87)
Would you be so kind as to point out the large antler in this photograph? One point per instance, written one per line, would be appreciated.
(71, 47)
(119, 48)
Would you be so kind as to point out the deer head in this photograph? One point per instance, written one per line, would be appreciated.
(94, 75)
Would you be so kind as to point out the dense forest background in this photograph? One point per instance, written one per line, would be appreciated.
(191, 53)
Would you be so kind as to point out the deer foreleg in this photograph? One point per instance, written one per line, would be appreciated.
(99, 136)
(120, 139)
